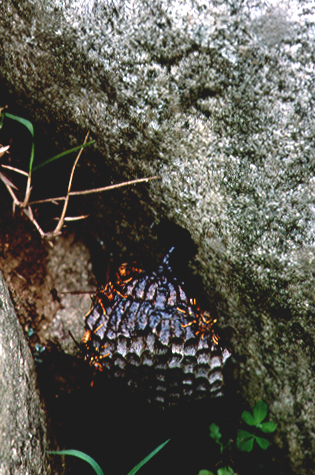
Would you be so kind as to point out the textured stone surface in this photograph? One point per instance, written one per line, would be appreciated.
(70, 274)
(22, 427)
(218, 99)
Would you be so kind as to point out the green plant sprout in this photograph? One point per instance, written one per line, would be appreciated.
(29, 126)
(216, 435)
(63, 154)
(97, 468)
(221, 471)
(244, 439)
(26, 204)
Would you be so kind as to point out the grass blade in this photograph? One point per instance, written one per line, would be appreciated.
(62, 154)
(80, 455)
(146, 459)
(23, 121)
(30, 127)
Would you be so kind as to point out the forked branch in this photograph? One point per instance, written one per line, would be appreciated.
(26, 205)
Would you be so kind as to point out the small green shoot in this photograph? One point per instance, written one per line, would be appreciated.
(216, 436)
(97, 468)
(146, 459)
(221, 471)
(63, 154)
(30, 127)
(80, 455)
(245, 440)
(226, 471)
(26, 204)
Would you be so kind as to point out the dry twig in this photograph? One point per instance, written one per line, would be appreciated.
(25, 205)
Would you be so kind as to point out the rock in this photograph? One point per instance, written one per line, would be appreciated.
(218, 100)
(22, 426)
(70, 274)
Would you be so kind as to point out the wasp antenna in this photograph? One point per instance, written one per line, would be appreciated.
(75, 341)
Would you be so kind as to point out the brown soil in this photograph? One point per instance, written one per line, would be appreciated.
(49, 286)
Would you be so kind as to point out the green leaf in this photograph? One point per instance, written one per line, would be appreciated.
(80, 455)
(25, 122)
(263, 443)
(260, 412)
(146, 459)
(215, 432)
(244, 440)
(226, 471)
(1, 119)
(267, 427)
(63, 154)
(30, 127)
(248, 418)
(205, 472)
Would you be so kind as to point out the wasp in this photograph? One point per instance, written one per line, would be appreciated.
(202, 320)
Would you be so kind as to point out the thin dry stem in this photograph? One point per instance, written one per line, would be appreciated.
(48, 200)
(26, 204)
(7, 181)
(17, 170)
(96, 190)
(112, 187)
(27, 191)
(15, 200)
(4, 149)
(75, 218)
(29, 213)
(64, 210)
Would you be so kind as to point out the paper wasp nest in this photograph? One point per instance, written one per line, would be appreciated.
(145, 328)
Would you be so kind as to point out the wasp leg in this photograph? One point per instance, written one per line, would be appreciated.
(188, 324)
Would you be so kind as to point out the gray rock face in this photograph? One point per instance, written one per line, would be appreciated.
(22, 428)
(217, 98)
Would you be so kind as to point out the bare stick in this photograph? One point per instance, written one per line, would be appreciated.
(27, 191)
(97, 190)
(64, 210)
(4, 149)
(17, 170)
(112, 187)
(26, 204)
(29, 213)
(15, 200)
(75, 218)
(7, 181)
(47, 200)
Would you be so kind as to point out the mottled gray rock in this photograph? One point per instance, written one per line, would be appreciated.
(218, 99)
(69, 269)
(22, 428)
